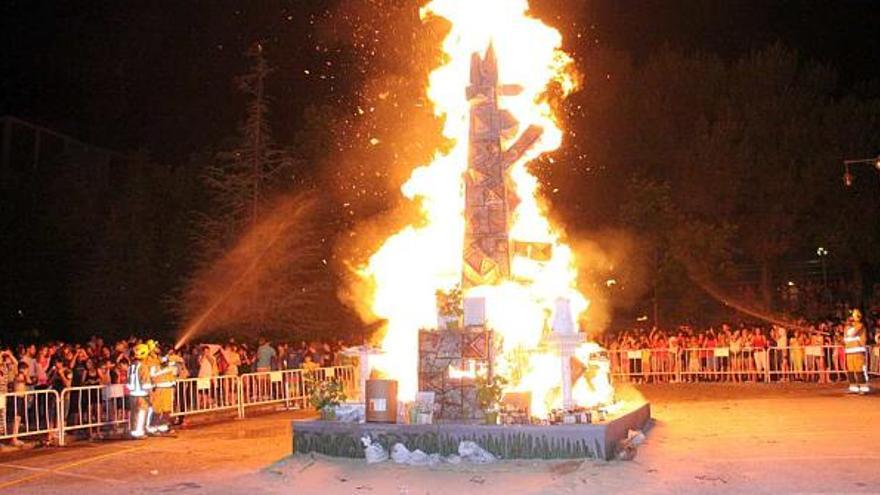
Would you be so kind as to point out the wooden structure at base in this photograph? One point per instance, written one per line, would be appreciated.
(449, 361)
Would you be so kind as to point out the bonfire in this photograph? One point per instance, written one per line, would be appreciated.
(485, 237)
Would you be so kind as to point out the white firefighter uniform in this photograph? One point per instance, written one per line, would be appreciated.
(854, 340)
(139, 386)
(150, 363)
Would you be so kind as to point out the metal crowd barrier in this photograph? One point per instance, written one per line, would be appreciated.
(344, 374)
(874, 361)
(813, 363)
(292, 387)
(286, 387)
(30, 413)
(206, 395)
(94, 408)
(103, 409)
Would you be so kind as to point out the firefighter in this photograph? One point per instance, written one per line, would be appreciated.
(139, 386)
(854, 340)
(164, 376)
(151, 363)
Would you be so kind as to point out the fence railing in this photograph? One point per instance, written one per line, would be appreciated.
(346, 375)
(206, 395)
(30, 413)
(814, 363)
(275, 387)
(104, 409)
(874, 361)
(93, 408)
(293, 387)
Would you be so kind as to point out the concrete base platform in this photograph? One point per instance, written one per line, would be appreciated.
(597, 441)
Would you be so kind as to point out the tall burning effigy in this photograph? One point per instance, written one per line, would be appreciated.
(484, 285)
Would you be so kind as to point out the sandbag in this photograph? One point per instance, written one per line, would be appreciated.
(472, 452)
(373, 451)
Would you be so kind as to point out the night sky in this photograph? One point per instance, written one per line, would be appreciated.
(156, 80)
(156, 76)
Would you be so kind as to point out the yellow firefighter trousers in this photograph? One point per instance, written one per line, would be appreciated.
(162, 398)
(855, 362)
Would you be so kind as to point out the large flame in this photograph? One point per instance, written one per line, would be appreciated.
(413, 264)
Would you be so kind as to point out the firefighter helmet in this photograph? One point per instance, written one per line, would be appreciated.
(856, 315)
(141, 351)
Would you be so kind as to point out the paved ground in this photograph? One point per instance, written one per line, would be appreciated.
(706, 439)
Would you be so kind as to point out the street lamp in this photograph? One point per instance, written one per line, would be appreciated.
(848, 176)
(822, 253)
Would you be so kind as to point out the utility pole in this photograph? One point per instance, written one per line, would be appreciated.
(848, 179)
(822, 253)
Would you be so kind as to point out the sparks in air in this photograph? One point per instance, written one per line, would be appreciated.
(538, 269)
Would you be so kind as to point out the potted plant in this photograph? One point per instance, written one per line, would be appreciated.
(449, 309)
(326, 396)
(489, 392)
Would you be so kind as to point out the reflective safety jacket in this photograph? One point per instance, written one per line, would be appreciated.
(163, 376)
(855, 338)
(139, 382)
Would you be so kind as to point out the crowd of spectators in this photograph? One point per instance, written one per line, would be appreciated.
(233, 359)
(805, 351)
(59, 365)
(754, 353)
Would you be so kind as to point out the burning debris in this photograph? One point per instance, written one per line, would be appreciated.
(509, 303)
